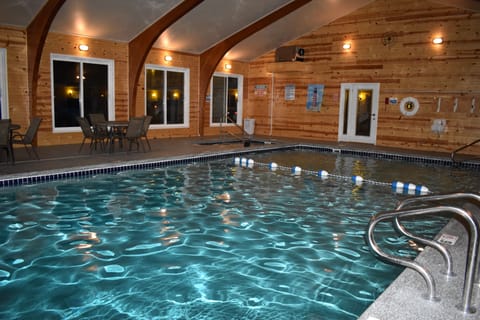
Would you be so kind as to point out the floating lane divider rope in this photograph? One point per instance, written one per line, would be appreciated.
(397, 186)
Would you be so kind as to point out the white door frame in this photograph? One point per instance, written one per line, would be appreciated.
(347, 126)
(3, 83)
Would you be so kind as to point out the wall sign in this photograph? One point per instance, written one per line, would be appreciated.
(315, 97)
(290, 92)
(260, 90)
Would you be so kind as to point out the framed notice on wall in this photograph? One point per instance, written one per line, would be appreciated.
(290, 92)
(314, 97)
(260, 90)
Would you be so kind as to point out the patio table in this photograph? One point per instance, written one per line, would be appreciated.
(116, 130)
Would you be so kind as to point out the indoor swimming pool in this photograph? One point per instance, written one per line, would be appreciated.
(207, 240)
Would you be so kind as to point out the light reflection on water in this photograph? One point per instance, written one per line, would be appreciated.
(169, 243)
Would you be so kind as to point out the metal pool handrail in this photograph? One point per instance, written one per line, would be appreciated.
(454, 153)
(434, 244)
(439, 197)
(472, 259)
(447, 257)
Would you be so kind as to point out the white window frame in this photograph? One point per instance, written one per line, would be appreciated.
(239, 101)
(186, 96)
(4, 83)
(111, 87)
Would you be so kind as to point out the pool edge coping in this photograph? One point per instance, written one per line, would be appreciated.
(20, 179)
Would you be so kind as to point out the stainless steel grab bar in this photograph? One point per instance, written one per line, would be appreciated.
(438, 198)
(472, 260)
(447, 257)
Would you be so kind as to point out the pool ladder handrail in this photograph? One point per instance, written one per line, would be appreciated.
(432, 198)
(432, 243)
(473, 265)
(472, 257)
(454, 152)
(245, 138)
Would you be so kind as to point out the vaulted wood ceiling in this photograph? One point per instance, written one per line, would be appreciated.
(200, 29)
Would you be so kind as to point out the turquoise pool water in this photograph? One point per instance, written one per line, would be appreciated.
(203, 241)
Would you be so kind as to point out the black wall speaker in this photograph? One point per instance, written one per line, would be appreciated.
(289, 53)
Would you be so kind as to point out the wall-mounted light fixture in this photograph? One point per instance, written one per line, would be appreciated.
(228, 66)
(83, 47)
(437, 40)
(168, 58)
(347, 45)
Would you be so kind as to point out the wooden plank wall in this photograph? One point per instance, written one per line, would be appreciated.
(15, 42)
(68, 45)
(407, 65)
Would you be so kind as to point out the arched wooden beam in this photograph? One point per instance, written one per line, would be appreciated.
(37, 32)
(210, 58)
(139, 47)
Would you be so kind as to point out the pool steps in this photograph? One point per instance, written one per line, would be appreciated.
(469, 211)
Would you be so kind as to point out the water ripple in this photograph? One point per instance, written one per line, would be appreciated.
(282, 247)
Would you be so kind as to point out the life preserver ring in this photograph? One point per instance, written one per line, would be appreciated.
(409, 106)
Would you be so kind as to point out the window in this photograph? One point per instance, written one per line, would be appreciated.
(226, 102)
(75, 95)
(167, 96)
(3, 84)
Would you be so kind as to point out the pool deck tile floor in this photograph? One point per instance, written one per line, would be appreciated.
(402, 300)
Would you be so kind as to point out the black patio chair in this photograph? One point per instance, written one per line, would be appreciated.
(134, 133)
(99, 125)
(146, 125)
(28, 137)
(97, 118)
(96, 137)
(5, 143)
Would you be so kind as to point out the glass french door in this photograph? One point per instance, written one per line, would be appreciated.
(358, 112)
(226, 104)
